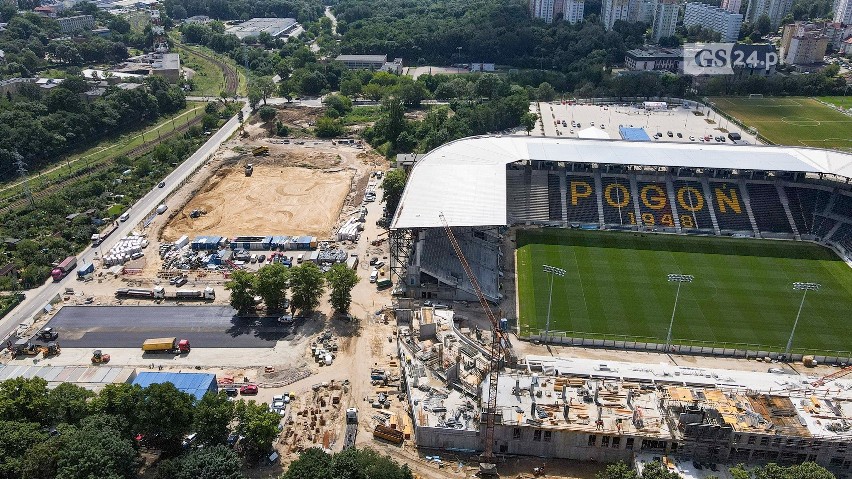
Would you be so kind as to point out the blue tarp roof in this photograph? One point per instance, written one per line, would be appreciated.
(633, 134)
(196, 384)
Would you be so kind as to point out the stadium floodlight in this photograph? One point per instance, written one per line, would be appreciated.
(552, 271)
(804, 288)
(679, 279)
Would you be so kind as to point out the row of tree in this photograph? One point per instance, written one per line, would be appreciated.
(306, 284)
(656, 470)
(71, 432)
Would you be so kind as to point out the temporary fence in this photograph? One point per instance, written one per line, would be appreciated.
(684, 346)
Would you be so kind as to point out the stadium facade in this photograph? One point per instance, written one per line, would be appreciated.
(482, 185)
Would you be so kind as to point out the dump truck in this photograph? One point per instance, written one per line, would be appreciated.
(62, 269)
(260, 151)
(351, 427)
(391, 435)
(166, 345)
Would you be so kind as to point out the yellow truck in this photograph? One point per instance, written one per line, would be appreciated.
(166, 345)
(260, 151)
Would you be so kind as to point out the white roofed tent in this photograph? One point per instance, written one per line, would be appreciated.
(466, 179)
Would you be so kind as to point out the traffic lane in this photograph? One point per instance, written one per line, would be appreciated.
(129, 326)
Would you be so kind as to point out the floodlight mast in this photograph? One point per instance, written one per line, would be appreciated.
(679, 279)
(552, 271)
(804, 288)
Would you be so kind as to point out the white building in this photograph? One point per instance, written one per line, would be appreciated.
(548, 10)
(641, 11)
(776, 10)
(719, 20)
(543, 9)
(573, 11)
(843, 11)
(732, 6)
(665, 19)
(614, 10)
(76, 23)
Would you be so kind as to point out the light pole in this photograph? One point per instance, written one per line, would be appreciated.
(804, 287)
(679, 279)
(552, 271)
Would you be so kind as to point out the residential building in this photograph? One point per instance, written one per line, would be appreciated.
(717, 19)
(756, 59)
(549, 10)
(614, 10)
(732, 6)
(573, 10)
(846, 47)
(543, 9)
(837, 33)
(654, 59)
(665, 19)
(806, 48)
(76, 23)
(776, 10)
(9, 271)
(843, 11)
(363, 62)
(641, 11)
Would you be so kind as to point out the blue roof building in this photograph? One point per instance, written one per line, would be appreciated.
(197, 384)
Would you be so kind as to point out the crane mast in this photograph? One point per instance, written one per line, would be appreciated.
(496, 347)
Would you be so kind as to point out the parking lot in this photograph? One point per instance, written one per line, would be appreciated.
(692, 127)
(130, 326)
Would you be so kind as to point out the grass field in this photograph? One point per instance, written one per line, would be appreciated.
(616, 284)
(795, 121)
(839, 101)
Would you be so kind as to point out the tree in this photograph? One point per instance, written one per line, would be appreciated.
(806, 470)
(311, 464)
(254, 97)
(117, 400)
(328, 127)
(393, 185)
(164, 416)
(258, 426)
(351, 87)
(68, 403)
(306, 285)
(212, 419)
(16, 437)
(96, 449)
(619, 470)
(265, 86)
(25, 400)
(341, 279)
(341, 104)
(271, 285)
(545, 92)
(267, 113)
(242, 287)
(528, 120)
(217, 462)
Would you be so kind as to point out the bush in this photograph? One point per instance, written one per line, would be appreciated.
(267, 113)
(328, 128)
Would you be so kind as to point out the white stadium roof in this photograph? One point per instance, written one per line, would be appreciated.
(466, 179)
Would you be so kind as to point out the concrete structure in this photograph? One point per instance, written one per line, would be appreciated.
(202, 19)
(614, 10)
(776, 10)
(166, 65)
(12, 85)
(665, 19)
(719, 20)
(837, 33)
(573, 11)
(363, 62)
(549, 10)
(803, 43)
(75, 23)
(641, 11)
(654, 59)
(846, 47)
(92, 378)
(276, 27)
(843, 11)
(543, 9)
(197, 384)
(732, 6)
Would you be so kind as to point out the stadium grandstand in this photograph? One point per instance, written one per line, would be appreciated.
(483, 185)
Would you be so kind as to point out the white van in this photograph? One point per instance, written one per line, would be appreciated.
(374, 276)
(124, 216)
(300, 258)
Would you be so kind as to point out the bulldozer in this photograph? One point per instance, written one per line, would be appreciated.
(98, 357)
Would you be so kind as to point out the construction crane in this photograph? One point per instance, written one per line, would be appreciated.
(831, 377)
(498, 340)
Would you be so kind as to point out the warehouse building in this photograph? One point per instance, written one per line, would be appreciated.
(91, 378)
(197, 384)
(275, 27)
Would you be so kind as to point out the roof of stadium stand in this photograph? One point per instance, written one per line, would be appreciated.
(466, 179)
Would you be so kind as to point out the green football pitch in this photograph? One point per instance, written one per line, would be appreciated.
(795, 121)
(616, 285)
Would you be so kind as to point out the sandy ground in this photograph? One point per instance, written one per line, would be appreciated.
(274, 200)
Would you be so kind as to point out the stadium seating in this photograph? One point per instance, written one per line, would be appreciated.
(654, 205)
(693, 208)
(617, 201)
(822, 226)
(842, 205)
(538, 208)
(766, 206)
(438, 259)
(554, 197)
(581, 201)
(527, 195)
(805, 203)
(729, 206)
(843, 237)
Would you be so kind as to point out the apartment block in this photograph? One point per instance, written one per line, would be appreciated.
(665, 19)
(718, 19)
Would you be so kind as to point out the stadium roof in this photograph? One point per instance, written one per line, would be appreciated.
(466, 179)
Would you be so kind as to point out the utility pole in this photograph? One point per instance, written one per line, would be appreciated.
(679, 279)
(804, 288)
(552, 271)
(22, 171)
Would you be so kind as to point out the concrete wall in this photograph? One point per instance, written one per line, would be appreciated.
(443, 438)
(564, 444)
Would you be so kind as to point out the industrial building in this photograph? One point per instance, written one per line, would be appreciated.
(371, 62)
(76, 23)
(612, 411)
(197, 384)
(722, 21)
(166, 65)
(654, 59)
(276, 27)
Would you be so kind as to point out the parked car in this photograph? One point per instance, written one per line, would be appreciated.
(231, 392)
(679, 135)
(261, 258)
(249, 390)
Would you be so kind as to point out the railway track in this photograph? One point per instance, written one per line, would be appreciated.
(230, 74)
(138, 151)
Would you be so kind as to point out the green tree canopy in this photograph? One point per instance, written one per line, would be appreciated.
(271, 285)
(259, 426)
(217, 462)
(164, 416)
(212, 419)
(341, 279)
(393, 185)
(242, 286)
(307, 285)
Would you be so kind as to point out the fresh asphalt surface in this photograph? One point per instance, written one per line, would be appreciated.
(130, 326)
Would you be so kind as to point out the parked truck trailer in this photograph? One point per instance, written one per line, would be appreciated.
(166, 345)
(159, 292)
(62, 269)
(351, 427)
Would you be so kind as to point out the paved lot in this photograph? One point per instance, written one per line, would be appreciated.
(129, 326)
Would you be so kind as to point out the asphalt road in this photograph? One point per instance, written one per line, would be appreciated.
(130, 326)
(39, 297)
